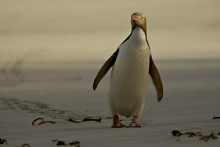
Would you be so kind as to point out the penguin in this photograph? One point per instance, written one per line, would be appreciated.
(131, 64)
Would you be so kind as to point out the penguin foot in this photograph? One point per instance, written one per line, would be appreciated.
(118, 125)
(135, 123)
(116, 122)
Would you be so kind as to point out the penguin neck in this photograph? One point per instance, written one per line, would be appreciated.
(139, 34)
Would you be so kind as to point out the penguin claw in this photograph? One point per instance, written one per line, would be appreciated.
(117, 122)
(134, 125)
(118, 126)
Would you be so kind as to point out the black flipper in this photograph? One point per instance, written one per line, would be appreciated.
(155, 75)
(107, 65)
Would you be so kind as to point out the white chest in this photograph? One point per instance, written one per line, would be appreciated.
(130, 75)
(133, 57)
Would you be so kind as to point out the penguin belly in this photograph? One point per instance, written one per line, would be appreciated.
(129, 76)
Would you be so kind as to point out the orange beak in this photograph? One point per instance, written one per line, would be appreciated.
(135, 17)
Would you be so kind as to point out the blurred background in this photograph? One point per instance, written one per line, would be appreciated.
(51, 50)
(70, 30)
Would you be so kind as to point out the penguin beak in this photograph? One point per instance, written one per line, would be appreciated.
(137, 18)
(134, 17)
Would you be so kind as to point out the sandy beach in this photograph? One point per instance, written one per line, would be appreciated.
(50, 52)
(189, 106)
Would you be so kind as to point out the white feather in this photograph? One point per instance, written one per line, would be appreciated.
(129, 76)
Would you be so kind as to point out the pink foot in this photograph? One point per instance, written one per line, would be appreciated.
(116, 122)
(135, 123)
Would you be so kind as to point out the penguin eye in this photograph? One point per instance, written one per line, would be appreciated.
(142, 17)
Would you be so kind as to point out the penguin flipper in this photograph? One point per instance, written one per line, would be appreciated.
(104, 69)
(155, 75)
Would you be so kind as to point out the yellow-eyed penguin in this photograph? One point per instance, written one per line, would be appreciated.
(131, 65)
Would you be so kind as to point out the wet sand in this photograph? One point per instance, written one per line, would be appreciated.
(190, 102)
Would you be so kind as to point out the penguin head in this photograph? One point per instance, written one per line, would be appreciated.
(138, 19)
